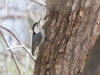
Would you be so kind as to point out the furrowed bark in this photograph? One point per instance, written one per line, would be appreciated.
(72, 29)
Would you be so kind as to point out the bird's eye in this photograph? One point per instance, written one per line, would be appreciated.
(37, 25)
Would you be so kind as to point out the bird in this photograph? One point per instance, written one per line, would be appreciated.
(38, 36)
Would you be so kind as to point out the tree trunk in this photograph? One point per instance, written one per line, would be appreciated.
(71, 32)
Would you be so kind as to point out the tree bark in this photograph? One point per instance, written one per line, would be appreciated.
(71, 32)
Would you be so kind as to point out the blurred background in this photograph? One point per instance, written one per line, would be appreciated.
(19, 17)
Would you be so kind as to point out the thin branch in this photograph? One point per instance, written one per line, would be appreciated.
(15, 60)
(2, 44)
(13, 47)
(10, 26)
(18, 41)
(22, 31)
(42, 5)
(39, 3)
(6, 65)
(6, 55)
(9, 32)
(22, 55)
(17, 64)
(27, 51)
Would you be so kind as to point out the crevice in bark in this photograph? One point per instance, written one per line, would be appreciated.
(69, 37)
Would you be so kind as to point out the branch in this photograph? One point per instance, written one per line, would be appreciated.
(15, 60)
(13, 47)
(18, 41)
(9, 32)
(2, 44)
(39, 3)
(6, 56)
(10, 26)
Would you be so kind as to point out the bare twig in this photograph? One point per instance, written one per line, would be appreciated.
(22, 55)
(9, 32)
(22, 31)
(18, 41)
(10, 26)
(2, 44)
(28, 51)
(42, 5)
(6, 55)
(39, 3)
(9, 48)
(13, 47)
(17, 64)
(7, 64)
(15, 60)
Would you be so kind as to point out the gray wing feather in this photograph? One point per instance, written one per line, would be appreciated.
(35, 41)
(37, 37)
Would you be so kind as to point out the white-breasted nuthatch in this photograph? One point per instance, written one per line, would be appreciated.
(38, 36)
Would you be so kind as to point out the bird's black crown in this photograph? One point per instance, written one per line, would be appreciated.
(34, 26)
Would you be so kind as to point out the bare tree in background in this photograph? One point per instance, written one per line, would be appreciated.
(16, 19)
(71, 32)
